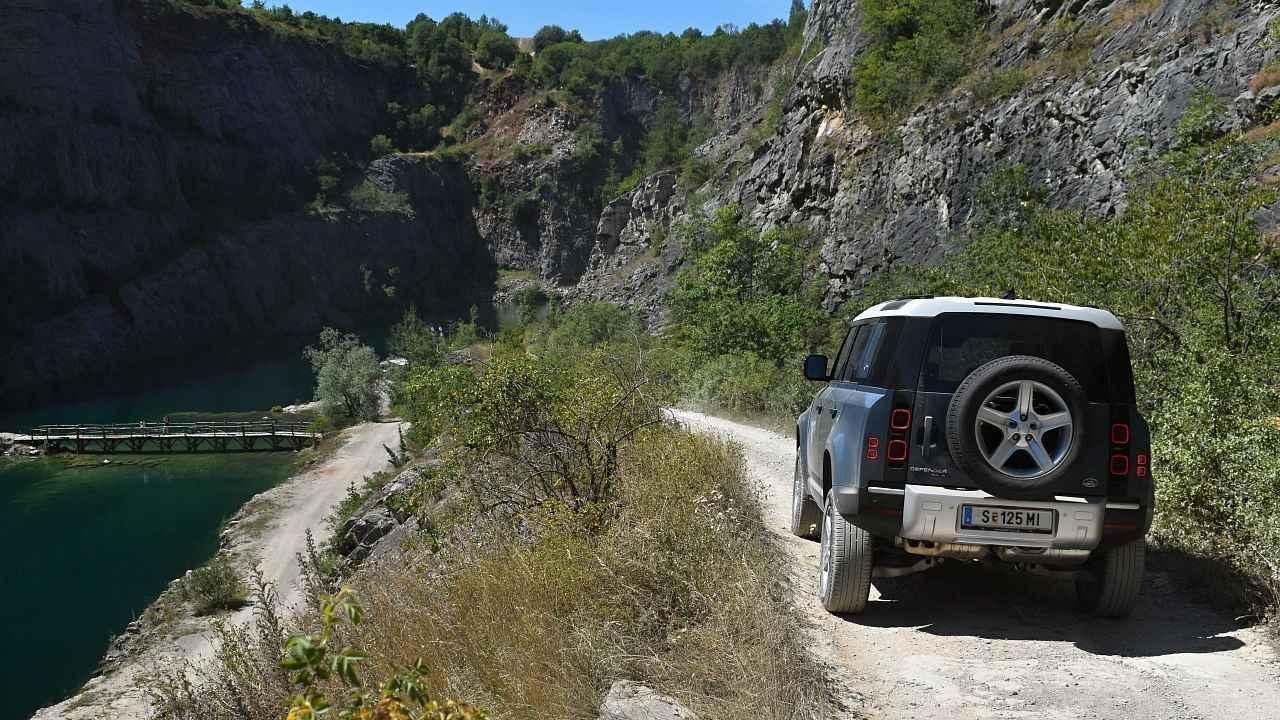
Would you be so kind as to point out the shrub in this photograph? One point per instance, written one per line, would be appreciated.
(371, 197)
(542, 431)
(242, 681)
(587, 325)
(415, 340)
(348, 379)
(214, 586)
(743, 383)
(917, 49)
(381, 146)
(747, 293)
(999, 84)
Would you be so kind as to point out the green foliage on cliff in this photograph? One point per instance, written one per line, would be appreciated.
(916, 49)
(747, 293)
(370, 197)
(747, 312)
(582, 68)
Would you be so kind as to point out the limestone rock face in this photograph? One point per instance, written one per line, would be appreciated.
(631, 701)
(1081, 122)
(283, 277)
(1103, 88)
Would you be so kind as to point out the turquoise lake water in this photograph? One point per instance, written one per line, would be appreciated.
(88, 546)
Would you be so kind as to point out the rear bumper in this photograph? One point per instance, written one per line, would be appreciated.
(933, 514)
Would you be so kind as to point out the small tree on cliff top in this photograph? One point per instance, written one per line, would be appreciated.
(348, 378)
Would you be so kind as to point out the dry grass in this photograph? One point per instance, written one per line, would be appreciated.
(1266, 77)
(681, 590)
(1129, 13)
(1262, 132)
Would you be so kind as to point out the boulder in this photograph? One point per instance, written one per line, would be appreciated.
(631, 701)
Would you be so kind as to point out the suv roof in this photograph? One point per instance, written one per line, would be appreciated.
(934, 306)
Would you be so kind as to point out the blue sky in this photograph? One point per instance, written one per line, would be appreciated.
(595, 20)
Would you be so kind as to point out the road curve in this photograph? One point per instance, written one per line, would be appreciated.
(966, 643)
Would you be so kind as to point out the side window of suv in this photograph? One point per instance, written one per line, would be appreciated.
(842, 361)
(864, 357)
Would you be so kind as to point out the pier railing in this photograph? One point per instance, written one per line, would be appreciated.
(168, 437)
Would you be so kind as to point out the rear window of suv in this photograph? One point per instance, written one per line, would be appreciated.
(961, 342)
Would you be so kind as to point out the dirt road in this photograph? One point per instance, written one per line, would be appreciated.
(301, 503)
(963, 643)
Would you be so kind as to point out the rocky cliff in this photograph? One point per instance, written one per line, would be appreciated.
(154, 164)
(1103, 85)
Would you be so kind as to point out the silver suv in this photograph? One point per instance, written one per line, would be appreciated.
(978, 430)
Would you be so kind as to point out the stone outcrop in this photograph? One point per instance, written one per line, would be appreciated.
(631, 701)
(381, 523)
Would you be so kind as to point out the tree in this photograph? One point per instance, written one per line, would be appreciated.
(547, 36)
(381, 146)
(348, 379)
(747, 293)
(495, 50)
(416, 340)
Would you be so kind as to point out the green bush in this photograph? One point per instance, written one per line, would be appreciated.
(747, 293)
(214, 586)
(544, 430)
(916, 49)
(381, 146)
(746, 384)
(348, 378)
(587, 325)
(370, 197)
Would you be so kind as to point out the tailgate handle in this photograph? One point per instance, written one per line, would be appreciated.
(926, 438)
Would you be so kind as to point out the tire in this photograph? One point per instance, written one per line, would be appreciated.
(806, 515)
(973, 391)
(1116, 582)
(844, 567)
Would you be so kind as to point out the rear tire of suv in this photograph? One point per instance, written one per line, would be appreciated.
(806, 515)
(1117, 580)
(844, 569)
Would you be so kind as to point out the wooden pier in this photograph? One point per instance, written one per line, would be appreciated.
(170, 437)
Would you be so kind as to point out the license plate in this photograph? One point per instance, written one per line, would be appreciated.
(979, 517)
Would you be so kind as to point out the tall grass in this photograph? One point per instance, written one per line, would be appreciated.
(681, 590)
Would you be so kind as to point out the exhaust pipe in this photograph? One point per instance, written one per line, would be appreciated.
(954, 551)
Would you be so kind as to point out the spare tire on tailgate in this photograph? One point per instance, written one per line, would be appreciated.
(1016, 426)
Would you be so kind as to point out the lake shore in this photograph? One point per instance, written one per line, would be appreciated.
(267, 533)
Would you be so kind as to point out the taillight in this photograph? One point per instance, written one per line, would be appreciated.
(897, 451)
(1120, 433)
(873, 447)
(900, 420)
(1141, 469)
(1119, 464)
